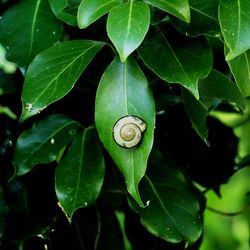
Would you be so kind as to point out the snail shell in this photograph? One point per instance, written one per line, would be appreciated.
(127, 131)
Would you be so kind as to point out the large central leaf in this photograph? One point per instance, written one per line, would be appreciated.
(124, 90)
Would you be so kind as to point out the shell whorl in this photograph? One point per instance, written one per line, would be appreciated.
(127, 131)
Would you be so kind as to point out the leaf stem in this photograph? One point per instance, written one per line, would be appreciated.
(229, 214)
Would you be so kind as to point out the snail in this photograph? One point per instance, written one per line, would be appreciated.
(127, 131)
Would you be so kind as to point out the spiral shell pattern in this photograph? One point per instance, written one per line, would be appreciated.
(128, 130)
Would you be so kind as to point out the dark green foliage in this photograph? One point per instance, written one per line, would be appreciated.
(69, 70)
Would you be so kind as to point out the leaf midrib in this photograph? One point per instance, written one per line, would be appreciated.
(79, 173)
(162, 205)
(33, 27)
(46, 141)
(175, 56)
(60, 73)
(128, 26)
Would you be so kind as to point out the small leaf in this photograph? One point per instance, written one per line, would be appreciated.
(178, 8)
(173, 210)
(177, 59)
(234, 17)
(66, 10)
(54, 72)
(42, 143)
(28, 28)
(197, 114)
(91, 10)
(127, 26)
(80, 174)
(126, 89)
(218, 86)
(204, 19)
(240, 67)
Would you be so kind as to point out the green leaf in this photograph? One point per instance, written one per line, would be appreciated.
(28, 28)
(127, 26)
(54, 72)
(213, 90)
(179, 8)
(126, 89)
(66, 10)
(197, 114)
(234, 17)
(91, 10)
(42, 143)
(177, 59)
(204, 19)
(173, 210)
(240, 67)
(80, 174)
(218, 86)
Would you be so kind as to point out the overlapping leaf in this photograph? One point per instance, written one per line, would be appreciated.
(204, 19)
(218, 87)
(127, 26)
(177, 59)
(178, 8)
(234, 17)
(42, 143)
(54, 72)
(91, 10)
(173, 210)
(240, 67)
(127, 91)
(66, 10)
(197, 114)
(80, 174)
(27, 28)
(213, 90)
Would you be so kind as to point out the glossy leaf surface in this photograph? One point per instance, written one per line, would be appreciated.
(204, 19)
(177, 60)
(27, 28)
(214, 89)
(91, 10)
(130, 93)
(80, 173)
(173, 210)
(127, 26)
(218, 87)
(197, 114)
(66, 10)
(42, 143)
(54, 72)
(179, 8)
(234, 17)
(240, 67)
